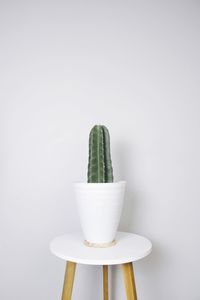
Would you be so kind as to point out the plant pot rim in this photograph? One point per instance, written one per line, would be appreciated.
(98, 184)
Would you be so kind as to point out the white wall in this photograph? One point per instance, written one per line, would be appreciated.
(133, 66)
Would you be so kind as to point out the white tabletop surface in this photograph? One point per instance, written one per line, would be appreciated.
(129, 247)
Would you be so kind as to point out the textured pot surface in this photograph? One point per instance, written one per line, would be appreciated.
(100, 206)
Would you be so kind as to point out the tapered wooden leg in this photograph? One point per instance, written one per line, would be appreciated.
(68, 280)
(105, 282)
(129, 281)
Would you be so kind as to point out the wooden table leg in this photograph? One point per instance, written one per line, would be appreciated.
(68, 280)
(129, 281)
(105, 282)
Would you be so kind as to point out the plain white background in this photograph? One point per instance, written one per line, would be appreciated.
(134, 67)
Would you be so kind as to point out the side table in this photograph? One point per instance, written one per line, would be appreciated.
(129, 248)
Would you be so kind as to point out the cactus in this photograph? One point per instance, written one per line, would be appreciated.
(100, 164)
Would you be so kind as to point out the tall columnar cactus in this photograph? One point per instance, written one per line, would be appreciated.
(100, 164)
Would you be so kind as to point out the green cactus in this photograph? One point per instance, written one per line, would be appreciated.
(100, 164)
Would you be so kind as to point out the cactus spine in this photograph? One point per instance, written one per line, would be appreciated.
(100, 164)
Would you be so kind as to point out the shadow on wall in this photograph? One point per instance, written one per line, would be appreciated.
(149, 269)
(147, 273)
(126, 171)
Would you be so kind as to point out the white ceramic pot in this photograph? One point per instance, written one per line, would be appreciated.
(100, 206)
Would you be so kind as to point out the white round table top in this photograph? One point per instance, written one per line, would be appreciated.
(129, 247)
